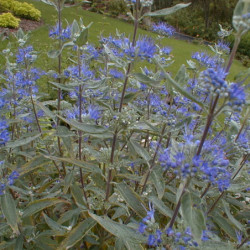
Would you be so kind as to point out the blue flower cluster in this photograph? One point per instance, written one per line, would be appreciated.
(144, 48)
(224, 46)
(205, 60)
(237, 96)
(9, 181)
(84, 74)
(211, 165)
(92, 112)
(163, 29)
(4, 133)
(65, 33)
(24, 55)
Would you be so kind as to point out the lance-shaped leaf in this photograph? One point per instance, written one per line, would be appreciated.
(88, 167)
(163, 209)
(140, 150)
(158, 181)
(119, 230)
(38, 205)
(8, 208)
(147, 80)
(172, 82)
(192, 216)
(224, 224)
(132, 199)
(87, 128)
(22, 142)
(56, 227)
(33, 164)
(231, 217)
(77, 233)
(167, 11)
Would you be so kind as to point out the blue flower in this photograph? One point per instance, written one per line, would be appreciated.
(237, 96)
(146, 47)
(204, 59)
(24, 55)
(163, 29)
(94, 112)
(142, 227)
(151, 240)
(150, 214)
(224, 46)
(116, 74)
(4, 134)
(12, 177)
(65, 33)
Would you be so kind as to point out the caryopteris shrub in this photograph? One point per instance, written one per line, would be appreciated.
(124, 157)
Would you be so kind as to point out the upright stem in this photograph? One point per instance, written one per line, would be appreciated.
(108, 185)
(233, 53)
(80, 132)
(59, 92)
(171, 223)
(154, 157)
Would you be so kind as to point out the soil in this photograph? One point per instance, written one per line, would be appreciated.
(25, 24)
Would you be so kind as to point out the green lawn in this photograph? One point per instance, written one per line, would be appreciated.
(104, 25)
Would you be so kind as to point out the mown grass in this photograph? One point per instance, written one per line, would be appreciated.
(104, 25)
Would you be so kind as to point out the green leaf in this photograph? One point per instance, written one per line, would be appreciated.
(77, 233)
(158, 181)
(172, 82)
(46, 111)
(69, 215)
(83, 38)
(140, 150)
(192, 217)
(132, 199)
(75, 29)
(147, 80)
(33, 164)
(54, 225)
(231, 218)
(62, 86)
(54, 53)
(224, 225)
(19, 242)
(65, 134)
(77, 193)
(87, 167)
(87, 128)
(163, 209)
(181, 75)
(22, 142)
(38, 205)
(167, 11)
(8, 208)
(119, 230)
(67, 181)
(242, 8)
(133, 246)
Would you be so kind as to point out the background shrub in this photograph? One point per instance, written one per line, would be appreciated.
(117, 7)
(26, 10)
(7, 20)
(19, 9)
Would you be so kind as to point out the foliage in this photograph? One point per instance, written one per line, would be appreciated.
(121, 158)
(19, 9)
(116, 7)
(9, 21)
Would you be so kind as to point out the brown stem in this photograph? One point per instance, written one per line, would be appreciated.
(172, 221)
(154, 157)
